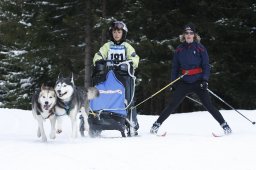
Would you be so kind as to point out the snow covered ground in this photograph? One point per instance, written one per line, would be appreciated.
(188, 145)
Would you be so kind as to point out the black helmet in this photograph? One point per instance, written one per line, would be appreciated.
(118, 25)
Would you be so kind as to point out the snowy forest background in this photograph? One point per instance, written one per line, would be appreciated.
(40, 39)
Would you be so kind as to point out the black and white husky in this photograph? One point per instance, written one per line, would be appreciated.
(71, 101)
(43, 107)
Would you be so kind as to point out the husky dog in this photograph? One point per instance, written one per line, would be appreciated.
(43, 103)
(71, 101)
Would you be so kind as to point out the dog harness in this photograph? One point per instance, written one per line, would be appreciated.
(67, 106)
(52, 112)
(192, 71)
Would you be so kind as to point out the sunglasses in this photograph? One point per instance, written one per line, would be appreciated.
(189, 33)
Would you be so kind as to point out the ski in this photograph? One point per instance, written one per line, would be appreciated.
(111, 137)
(162, 135)
(217, 135)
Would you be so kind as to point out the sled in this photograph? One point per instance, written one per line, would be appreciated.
(110, 110)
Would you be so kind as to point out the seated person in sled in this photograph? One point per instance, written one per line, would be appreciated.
(120, 57)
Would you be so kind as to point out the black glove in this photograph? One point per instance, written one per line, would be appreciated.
(100, 62)
(100, 67)
(204, 85)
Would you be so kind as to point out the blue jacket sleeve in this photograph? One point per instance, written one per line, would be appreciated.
(205, 63)
(175, 67)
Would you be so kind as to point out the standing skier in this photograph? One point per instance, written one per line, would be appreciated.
(190, 58)
(117, 50)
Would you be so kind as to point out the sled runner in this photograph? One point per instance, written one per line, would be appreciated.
(115, 82)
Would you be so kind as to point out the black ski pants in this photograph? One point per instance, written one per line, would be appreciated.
(179, 93)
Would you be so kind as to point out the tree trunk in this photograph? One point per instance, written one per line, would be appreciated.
(103, 32)
(88, 48)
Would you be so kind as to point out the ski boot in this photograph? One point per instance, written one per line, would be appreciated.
(154, 128)
(226, 128)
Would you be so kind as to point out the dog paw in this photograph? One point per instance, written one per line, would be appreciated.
(44, 139)
(58, 131)
(52, 136)
(38, 134)
(74, 136)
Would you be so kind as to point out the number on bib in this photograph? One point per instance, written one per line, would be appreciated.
(117, 52)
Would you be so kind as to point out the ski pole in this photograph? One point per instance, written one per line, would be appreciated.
(194, 100)
(171, 83)
(230, 106)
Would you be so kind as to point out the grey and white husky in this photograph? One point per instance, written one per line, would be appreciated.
(43, 107)
(71, 101)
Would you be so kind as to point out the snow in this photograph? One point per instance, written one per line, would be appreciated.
(188, 145)
(25, 23)
(15, 53)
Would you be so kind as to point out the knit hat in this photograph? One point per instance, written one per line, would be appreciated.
(190, 26)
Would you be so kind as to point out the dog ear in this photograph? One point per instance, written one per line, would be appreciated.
(72, 79)
(71, 76)
(60, 76)
(43, 87)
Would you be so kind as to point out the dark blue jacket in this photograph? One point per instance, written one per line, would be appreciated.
(190, 56)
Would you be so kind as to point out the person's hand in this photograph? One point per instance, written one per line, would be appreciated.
(204, 85)
(100, 67)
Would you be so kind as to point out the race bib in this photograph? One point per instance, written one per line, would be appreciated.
(117, 52)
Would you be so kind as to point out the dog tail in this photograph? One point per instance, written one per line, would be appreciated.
(92, 93)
